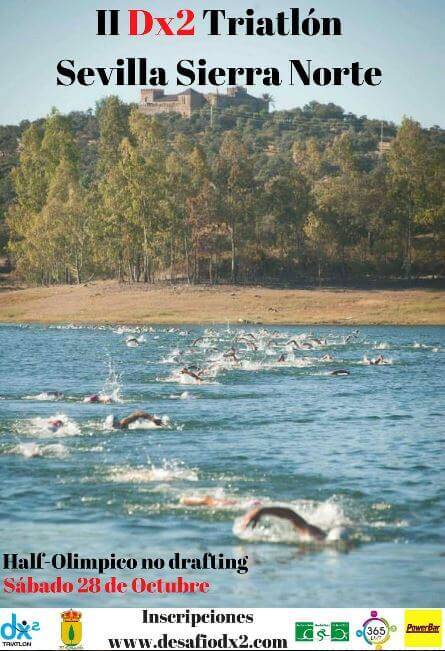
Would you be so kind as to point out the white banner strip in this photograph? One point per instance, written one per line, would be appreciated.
(221, 628)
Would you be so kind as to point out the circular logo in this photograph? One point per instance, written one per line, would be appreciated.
(376, 630)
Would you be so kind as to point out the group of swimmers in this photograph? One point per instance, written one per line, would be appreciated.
(55, 424)
(250, 341)
(196, 373)
(257, 512)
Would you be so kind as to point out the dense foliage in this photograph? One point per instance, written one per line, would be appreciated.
(289, 196)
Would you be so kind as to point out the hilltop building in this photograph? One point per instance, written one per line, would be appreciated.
(154, 101)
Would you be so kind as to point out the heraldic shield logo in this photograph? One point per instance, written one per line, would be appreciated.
(71, 628)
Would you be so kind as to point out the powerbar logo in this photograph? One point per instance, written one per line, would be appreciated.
(423, 628)
(431, 628)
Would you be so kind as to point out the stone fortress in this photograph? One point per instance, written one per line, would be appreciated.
(154, 101)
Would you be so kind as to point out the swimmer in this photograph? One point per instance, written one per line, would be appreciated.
(56, 395)
(305, 346)
(282, 358)
(123, 423)
(348, 338)
(253, 517)
(54, 424)
(208, 500)
(98, 398)
(205, 500)
(231, 354)
(248, 343)
(378, 360)
(340, 371)
(192, 374)
(327, 358)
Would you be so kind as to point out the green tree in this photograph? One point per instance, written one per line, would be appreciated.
(47, 201)
(409, 167)
(236, 188)
(133, 191)
(112, 115)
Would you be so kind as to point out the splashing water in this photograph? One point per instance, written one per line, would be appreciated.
(32, 449)
(45, 428)
(169, 471)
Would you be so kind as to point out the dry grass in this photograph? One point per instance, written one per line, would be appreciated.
(109, 302)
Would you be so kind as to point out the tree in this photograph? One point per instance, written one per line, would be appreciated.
(181, 185)
(133, 191)
(409, 167)
(236, 190)
(288, 200)
(204, 228)
(112, 115)
(46, 222)
(319, 239)
(58, 143)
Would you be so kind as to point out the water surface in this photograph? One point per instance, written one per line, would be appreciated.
(364, 452)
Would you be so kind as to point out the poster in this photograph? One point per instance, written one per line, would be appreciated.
(222, 319)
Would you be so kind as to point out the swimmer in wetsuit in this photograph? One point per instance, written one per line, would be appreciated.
(231, 354)
(123, 423)
(98, 398)
(192, 374)
(253, 517)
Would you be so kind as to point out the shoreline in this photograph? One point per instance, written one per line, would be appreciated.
(110, 303)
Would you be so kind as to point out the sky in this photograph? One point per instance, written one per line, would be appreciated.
(402, 37)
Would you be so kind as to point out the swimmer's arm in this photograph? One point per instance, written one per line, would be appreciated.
(125, 422)
(284, 513)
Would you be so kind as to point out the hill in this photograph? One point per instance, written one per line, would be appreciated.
(314, 193)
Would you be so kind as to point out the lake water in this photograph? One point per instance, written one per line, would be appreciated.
(363, 452)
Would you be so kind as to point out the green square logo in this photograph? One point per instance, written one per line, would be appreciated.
(304, 631)
(339, 631)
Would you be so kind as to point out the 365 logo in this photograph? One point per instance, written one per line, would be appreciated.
(376, 630)
(18, 630)
(309, 631)
(71, 628)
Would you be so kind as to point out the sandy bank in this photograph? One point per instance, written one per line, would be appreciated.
(109, 302)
